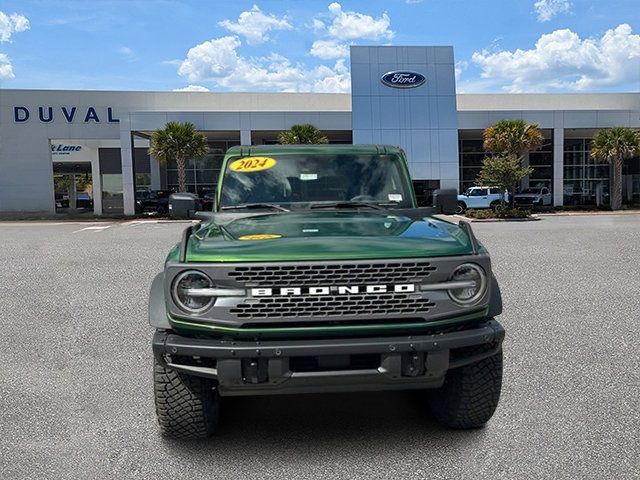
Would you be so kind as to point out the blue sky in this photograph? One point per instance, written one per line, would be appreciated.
(302, 45)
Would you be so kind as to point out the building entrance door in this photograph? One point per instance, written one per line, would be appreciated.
(73, 187)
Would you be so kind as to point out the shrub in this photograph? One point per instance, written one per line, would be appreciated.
(504, 213)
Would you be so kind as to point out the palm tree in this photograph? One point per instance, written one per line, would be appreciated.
(304, 133)
(513, 139)
(178, 141)
(615, 145)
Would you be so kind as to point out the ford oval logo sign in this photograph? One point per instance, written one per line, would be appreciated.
(402, 79)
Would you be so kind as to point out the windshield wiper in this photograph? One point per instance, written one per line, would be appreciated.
(249, 206)
(348, 204)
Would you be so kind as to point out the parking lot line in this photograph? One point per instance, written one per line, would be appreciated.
(94, 228)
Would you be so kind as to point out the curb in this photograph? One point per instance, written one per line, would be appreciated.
(533, 218)
(571, 214)
(490, 220)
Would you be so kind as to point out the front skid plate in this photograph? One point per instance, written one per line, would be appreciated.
(272, 358)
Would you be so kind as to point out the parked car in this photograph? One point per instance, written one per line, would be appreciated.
(62, 200)
(533, 197)
(153, 201)
(480, 197)
(84, 200)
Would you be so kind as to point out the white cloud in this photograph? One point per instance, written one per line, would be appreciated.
(563, 61)
(192, 88)
(329, 49)
(317, 25)
(460, 67)
(211, 59)
(127, 53)
(547, 9)
(254, 25)
(354, 25)
(218, 61)
(347, 26)
(10, 24)
(6, 70)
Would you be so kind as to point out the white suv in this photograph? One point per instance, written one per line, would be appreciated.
(480, 197)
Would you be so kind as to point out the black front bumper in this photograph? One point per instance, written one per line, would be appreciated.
(282, 366)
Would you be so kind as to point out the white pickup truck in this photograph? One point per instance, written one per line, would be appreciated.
(480, 197)
(531, 197)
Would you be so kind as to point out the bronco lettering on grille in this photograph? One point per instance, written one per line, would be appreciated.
(332, 290)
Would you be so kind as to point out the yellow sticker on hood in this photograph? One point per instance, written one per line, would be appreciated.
(253, 164)
(261, 236)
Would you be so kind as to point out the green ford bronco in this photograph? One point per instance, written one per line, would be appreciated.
(317, 272)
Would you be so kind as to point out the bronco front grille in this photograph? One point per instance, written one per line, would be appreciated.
(332, 306)
(332, 274)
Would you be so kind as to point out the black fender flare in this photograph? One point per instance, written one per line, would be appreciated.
(495, 299)
(157, 306)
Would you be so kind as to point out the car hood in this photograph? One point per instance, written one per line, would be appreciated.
(326, 235)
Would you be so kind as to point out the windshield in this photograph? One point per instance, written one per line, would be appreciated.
(531, 190)
(290, 179)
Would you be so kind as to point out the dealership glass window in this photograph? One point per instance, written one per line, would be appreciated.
(472, 154)
(201, 174)
(143, 181)
(542, 163)
(635, 188)
(631, 179)
(424, 191)
(112, 200)
(586, 181)
(471, 157)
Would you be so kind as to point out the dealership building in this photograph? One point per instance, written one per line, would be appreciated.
(61, 149)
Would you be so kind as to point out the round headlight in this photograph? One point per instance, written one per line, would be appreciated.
(185, 288)
(474, 280)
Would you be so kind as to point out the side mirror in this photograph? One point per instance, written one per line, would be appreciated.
(182, 206)
(445, 200)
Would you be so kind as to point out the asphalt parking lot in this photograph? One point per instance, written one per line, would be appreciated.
(76, 390)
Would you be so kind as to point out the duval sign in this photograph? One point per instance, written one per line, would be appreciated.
(47, 114)
(403, 79)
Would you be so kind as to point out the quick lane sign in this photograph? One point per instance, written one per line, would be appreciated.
(68, 114)
(62, 149)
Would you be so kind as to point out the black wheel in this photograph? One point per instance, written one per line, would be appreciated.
(186, 406)
(469, 395)
(461, 208)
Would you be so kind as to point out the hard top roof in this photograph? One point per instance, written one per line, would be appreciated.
(243, 150)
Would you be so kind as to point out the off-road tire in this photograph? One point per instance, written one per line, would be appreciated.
(461, 208)
(496, 206)
(186, 406)
(469, 396)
